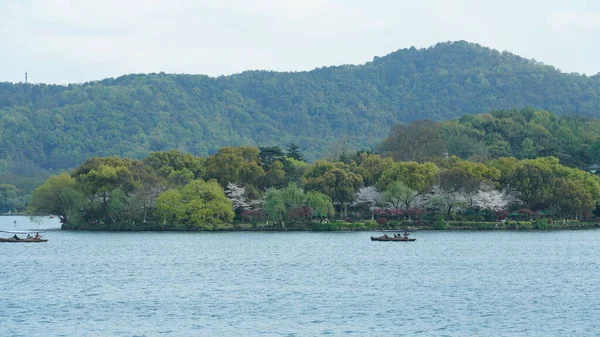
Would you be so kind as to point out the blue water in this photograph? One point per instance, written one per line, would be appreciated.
(302, 284)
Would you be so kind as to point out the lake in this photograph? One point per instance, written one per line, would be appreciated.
(300, 284)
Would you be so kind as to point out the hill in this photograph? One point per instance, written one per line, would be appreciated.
(523, 134)
(53, 127)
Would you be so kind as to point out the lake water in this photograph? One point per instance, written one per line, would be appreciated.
(300, 284)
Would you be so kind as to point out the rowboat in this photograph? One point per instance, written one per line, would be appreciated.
(390, 238)
(22, 240)
(17, 238)
(402, 238)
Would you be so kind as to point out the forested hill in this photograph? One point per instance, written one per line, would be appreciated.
(56, 127)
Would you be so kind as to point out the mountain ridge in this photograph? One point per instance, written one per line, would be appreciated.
(57, 127)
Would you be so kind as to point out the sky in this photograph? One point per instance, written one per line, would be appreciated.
(62, 41)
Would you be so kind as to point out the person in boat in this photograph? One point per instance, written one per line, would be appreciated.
(37, 236)
(16, 237)
(29, 236)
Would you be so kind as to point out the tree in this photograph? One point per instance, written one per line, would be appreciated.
(274, 205)
(293, 196)
(532, 181)
(294, 170)
(199, 205)
(268, 155)
(167, 163)
(334, 180)
(393, 194)
(239, 165)
(105, 186)
(147, 187)
(570, 198)
(59, 195)
(452, 191)
(293, 151)
(397, 194)
(8, 194)
(487, 197)
(371, 167)
(320, 204)
(369, 196)
(236, 195)
(416, 141)
(418, 177)
(274, 177)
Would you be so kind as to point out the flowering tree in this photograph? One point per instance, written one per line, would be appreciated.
(237, 195)
(446, 200)
(487, 197)
(368, 195)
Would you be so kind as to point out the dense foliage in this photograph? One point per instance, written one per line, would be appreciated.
(176, 190)
(56, 127)
(523, 134)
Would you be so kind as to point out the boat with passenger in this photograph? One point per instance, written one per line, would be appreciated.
(16, 236)
(397, 237)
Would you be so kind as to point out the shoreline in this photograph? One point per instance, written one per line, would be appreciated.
(337, 227)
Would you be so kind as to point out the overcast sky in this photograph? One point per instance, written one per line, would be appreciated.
(62, 41)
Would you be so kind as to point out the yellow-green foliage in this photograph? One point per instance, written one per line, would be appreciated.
(199, 204)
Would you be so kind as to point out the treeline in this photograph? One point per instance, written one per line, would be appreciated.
(176, 190)
(53, 127)
(524, 134)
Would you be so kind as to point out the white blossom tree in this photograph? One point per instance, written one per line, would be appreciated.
(447, 200)
(487, 197)
(237, 195)
(368, 195)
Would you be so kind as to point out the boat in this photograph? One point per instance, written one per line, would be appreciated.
(17, 238)
(402, 238)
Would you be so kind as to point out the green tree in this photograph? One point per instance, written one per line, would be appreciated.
(293, 151)
(59, 195)
(268, 155)
(106, 183)
(333, 179)
(320, 204)
(594, 151)
(167, 163)
(199, 205)
(418, 177)
(371, 167)
(397, 194)
(8, 194)
(274, 205)
(238, 165)
(418, 141)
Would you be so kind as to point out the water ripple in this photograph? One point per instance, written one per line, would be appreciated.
(302, 284)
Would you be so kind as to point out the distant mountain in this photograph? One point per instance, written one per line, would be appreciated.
(55, 127)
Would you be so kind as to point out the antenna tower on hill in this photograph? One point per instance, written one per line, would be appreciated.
(25, 76)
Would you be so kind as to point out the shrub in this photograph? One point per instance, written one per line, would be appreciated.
(526, 211)
(541, 224)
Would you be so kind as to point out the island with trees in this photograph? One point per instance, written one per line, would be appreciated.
(507, 169)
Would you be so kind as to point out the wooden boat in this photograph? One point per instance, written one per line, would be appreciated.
(403, 238)
(390, 238)
(29, 238)
(22, 240)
